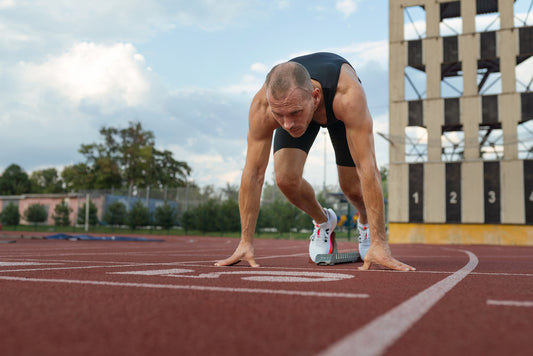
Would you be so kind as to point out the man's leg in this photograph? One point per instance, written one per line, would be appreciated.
(289, 165)
(351, 187)
(378, 250)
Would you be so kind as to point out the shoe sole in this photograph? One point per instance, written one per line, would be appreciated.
(332, 247)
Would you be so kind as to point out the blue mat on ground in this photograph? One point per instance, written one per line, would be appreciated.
(98, 238)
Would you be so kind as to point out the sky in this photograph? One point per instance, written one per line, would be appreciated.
(187, 70)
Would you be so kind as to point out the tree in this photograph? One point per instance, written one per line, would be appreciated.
(46, 181)
(187, 220)
(231, 192)
(14, 181)
(10, 215)
(139, 215)
(283, 216)
(78, 177)
(62, 214)
(228, 218)
(35, 214)
(203, 218)
(116, 214)
(165, 216)
(93, 214)
(131, 154)
(168, 172)
(106, 174)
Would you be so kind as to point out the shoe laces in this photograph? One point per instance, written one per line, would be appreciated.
(320, 228)
(363, 233)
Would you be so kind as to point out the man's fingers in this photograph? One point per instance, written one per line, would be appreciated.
(227, 262)
(407, 267)
(233, 260)
(365, 266)
(230, 261)
(399, 266)
(391, 263)
(253, 263)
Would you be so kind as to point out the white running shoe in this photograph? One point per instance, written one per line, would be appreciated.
(364, 239)
(323, 238)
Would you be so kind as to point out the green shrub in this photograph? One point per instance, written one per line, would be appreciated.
(165, 216)
(116, 214)
(139, 215)
(62, 214)
(93, 214)
(10, 215)
(35, 214)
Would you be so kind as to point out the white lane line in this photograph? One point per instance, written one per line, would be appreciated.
(190, 287)
(131, 264)
(376, 337)
(511, 303)
(9, 264)
(256, 275)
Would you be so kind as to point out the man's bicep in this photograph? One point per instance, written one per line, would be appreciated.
(258, 151)
(359, 129)
(261, 127)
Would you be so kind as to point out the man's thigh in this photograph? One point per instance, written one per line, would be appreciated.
(348, 178)
(289, 163)
(290, 152)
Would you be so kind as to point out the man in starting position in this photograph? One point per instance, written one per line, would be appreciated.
(298, 97)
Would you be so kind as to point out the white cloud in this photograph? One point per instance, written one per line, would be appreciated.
(211, 15)
(260, 68)
(4, 4)
(522, 18)
(414, 30)
(48, 22)
(283, 4)
(210, 167)
(347, 7)
(366, 52)
(89, 71)
(249, 85)
(524, 75)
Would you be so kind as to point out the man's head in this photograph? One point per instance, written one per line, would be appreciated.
(292, 97)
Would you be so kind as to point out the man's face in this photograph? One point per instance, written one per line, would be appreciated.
(295, 111)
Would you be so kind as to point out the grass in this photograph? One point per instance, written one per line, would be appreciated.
(52, 229)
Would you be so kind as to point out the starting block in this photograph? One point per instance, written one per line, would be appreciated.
(337, 257)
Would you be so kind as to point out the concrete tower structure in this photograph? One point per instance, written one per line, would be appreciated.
(461, 109)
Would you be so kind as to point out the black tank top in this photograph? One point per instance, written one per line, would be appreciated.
(325, 68)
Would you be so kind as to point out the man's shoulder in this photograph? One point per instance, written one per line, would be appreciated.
(261, 119)
(350, 98)
(260, 101)
(348, 80)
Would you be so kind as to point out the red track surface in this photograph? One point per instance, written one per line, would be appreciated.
(166, 298)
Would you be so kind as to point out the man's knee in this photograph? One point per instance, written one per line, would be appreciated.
(288, 183)
(352, 191)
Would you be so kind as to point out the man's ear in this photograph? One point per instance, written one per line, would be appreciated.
(316, 97)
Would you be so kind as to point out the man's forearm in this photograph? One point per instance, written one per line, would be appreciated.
(249, 203)
(375, 209)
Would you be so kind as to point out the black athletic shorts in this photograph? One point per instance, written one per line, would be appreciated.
(337, 133)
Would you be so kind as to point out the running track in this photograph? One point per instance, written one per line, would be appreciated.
(166, 298)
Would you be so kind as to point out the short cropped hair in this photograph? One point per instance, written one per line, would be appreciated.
(286, 76)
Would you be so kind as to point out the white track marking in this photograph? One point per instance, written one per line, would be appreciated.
(376, 337)
(190, 287)
(9, 264)
(258, 276)
(82, 267)
(511, 303)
